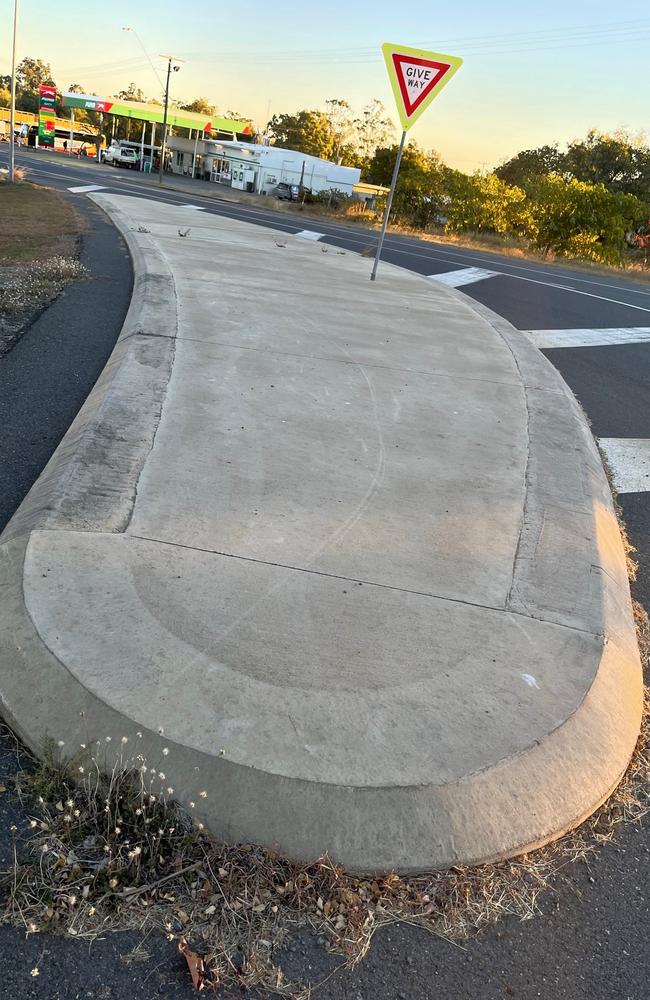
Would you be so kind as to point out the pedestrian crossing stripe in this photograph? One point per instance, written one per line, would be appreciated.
(86, 188)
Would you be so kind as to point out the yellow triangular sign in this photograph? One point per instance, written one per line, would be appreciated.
(417, 77)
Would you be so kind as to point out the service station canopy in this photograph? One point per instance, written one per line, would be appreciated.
(154, 113)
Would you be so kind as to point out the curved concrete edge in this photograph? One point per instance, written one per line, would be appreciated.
(567, 496)
(90, 483)
(520, 803)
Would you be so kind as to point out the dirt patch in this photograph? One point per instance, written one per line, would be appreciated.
(39, 254)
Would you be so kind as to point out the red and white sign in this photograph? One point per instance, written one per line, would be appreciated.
(416, 77)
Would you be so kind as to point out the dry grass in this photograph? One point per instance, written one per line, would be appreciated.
(39, 253)
(37, 223)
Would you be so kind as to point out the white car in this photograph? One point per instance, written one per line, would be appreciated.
(122, 156)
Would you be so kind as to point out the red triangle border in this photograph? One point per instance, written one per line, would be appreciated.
(442, 69)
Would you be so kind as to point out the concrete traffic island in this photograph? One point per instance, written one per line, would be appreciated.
(346, 551)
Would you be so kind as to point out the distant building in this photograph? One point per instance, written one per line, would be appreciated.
(247, 166)
(369, 193)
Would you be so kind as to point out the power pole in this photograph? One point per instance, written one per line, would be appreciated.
(12, 107)
(163, 145)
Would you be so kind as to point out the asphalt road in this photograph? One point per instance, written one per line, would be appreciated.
(591, 941)
(47, 375)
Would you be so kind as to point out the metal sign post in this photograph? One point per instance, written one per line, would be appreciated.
(389, 202)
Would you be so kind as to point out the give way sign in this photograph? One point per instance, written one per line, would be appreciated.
(417, 77)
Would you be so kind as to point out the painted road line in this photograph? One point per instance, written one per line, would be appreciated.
(85, 188)
(629, 462)
(308, 234)
(464, 276)
(547, 339)
(197, 208)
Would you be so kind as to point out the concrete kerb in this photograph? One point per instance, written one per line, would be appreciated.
(514, 804)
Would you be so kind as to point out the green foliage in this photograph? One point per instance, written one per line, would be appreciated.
(619, 161)
(333, 199)
(335, 134)
(5, 97)
(33, 73)
(415, 164)
(307, 131)
(577, 219)
(529, 164)
(484, 203)
(132, 93)
(200, 106)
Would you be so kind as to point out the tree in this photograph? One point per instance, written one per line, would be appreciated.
(529, 164)
(5, 97)
(307, 131)
(132, 93)
(421, 199)
(483, 203)
(351, 156)
(373, 129)
(342, 125)
(200, 106)
(32, 74)
(574, 218)
(414, 161)
(619, 161)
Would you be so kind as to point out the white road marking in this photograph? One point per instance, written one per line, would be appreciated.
(577, 291)
(590, 338)
(629, 461)
(197, 208)
(308, 234)
(464, 276)
(85, 188)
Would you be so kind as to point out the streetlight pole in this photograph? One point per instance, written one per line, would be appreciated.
(12, 106)
(163, 145)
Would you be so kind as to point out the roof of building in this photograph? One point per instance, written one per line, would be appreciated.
(155, 113)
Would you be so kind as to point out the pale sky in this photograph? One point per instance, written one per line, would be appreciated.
(533, 74)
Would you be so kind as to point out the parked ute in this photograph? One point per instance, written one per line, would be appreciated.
(122, 156)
